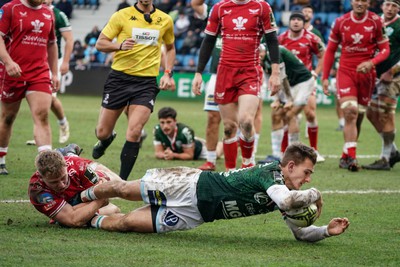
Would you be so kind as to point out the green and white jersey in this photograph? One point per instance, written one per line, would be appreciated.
(239, 193)
(183, 137)
(393, 32)
(215, 55)
(62, 25)
(296, 71)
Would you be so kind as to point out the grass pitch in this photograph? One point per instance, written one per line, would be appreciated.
(368, 198)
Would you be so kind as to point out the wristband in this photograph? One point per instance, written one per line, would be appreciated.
(169, 72)
(120, 47)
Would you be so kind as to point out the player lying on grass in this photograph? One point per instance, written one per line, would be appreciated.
(54, 189)
(183, 198)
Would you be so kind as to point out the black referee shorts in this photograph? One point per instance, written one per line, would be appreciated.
(122, 90)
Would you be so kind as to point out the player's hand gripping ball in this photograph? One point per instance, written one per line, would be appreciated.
(302, 217)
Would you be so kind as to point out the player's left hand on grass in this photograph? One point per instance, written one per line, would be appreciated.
(337, 226)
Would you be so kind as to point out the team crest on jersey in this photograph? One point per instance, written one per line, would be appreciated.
(261, 198)
(357, 37)
(240, 21)
(254, 11)
(37, 24)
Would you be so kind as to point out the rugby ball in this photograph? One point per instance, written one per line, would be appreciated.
(302, 217)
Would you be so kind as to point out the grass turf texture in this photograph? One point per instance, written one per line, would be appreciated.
(26, 238)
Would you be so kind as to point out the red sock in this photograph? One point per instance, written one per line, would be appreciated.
(285, 141)
(352, 152)
(344, 155)
(313, 136)
(230, 153)
(246, 148)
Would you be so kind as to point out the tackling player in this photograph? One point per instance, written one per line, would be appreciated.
(361, 33)
(54, 189)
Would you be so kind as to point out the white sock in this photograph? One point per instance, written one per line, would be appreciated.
(43, 148)
(62, 121)
(212, 156)
(3, 160)
(293, 137)
(276, 142)
(96, 222)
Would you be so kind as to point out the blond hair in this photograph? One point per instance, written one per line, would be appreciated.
(49, 162)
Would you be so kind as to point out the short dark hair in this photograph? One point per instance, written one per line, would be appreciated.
(308, 6)
(167, 112)
(298, 153)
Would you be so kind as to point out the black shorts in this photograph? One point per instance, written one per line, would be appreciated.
(122, 90)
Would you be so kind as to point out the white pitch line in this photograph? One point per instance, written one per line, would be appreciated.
(345, 192)
(336, 156)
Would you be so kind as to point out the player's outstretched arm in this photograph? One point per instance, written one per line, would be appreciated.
(314, 233)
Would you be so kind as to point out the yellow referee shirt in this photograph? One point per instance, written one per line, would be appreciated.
(144, 59)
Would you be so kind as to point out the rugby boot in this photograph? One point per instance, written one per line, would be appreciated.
(343, 163)
(207, 166)
(70, 150)
(394, 158)
(3, 169)
(352, 164)
(100, 147)
(378, 165)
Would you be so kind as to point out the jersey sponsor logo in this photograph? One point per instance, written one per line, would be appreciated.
(226, 12)
(231, 210)
(47, 199)
(261, 198)
(133, 18)
(23, 14)
(357, 37)
(240, 21)
(346, 28)
(303, 44)
(368, 29)
(253, 88)
(7, 95)
(344, 90)
(146, 36)
(151, 102)
(157, 198)
(254, 11)
(220, 95)
(37, 24)
(47, 16)
(171, 219)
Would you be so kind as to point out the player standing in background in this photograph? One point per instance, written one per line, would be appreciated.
(140, 31)
(361, 33)
(241, 24)
(382, 108)
(290, 101)
(308, 12)
(28, 52)
(304, 45)
(63, 31)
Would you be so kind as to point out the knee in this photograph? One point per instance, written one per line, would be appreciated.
(230, 129)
